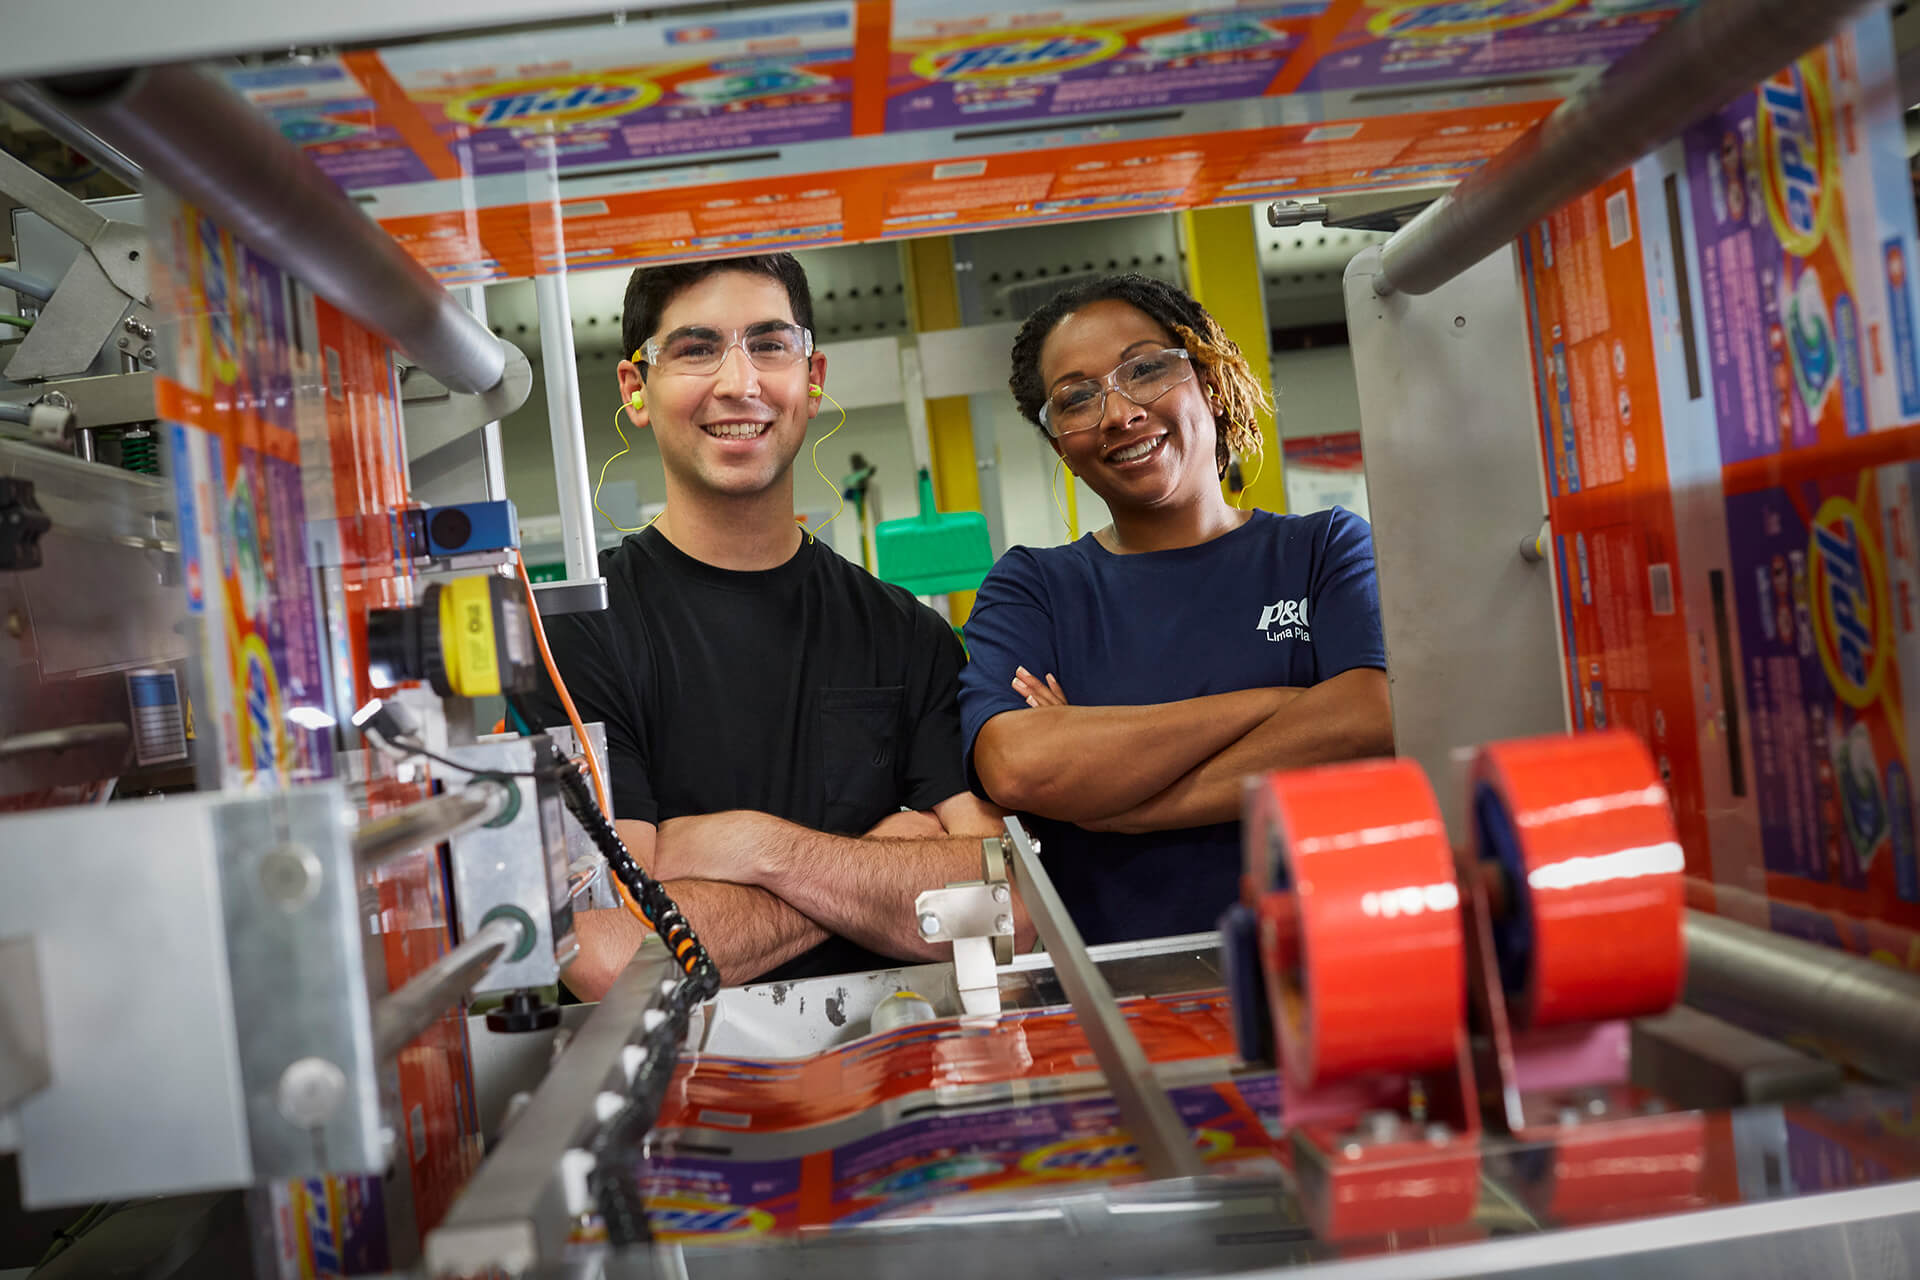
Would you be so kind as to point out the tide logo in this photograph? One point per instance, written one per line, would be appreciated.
(261, 689)
(1851, 618)
(316, 1209)
(547, 102)
(1797, 156)
(216, 290)
(686, 1216)
(1448, 19)
(1044, 51)
(1106, 1155)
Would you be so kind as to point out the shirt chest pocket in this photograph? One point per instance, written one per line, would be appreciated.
(859, 755)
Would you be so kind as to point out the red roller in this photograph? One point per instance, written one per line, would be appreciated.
(1364, 951)
(1581, 825)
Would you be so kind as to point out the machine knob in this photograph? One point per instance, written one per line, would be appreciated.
(21, 524)
(523, 1011)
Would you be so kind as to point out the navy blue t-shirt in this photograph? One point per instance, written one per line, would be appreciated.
(1282, 600)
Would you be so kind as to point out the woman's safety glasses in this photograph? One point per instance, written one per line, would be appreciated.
(1079, 406)
(702, 349)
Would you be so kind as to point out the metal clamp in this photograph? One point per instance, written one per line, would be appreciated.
(977, 917)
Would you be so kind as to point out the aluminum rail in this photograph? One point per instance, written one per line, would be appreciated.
(428, 822)
(515, 1211)
(33, 104)
(570, 469)
(1871, 1011)
(400, 1016)
(1166, 1148)
(197, 136)
(1693, 65)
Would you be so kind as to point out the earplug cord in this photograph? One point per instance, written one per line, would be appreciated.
(626, 447)
(838, 496)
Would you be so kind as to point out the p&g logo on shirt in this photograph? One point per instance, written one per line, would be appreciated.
(1285, 620)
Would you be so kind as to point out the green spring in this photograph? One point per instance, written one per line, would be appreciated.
(139, 451)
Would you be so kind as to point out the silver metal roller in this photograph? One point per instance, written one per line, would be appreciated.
(187, 130)
(1695, 64)
(1870, 1010)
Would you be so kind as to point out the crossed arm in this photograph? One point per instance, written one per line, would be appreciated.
(759, 890)
(1173, 764)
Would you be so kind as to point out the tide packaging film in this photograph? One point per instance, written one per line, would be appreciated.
(282, 423)
(1724, 353)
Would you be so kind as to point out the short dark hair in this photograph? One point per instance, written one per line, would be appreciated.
(650, 289)
(1189, 324)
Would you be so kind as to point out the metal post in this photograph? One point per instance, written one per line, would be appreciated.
(492, 461)
(569, 431)
(195, 135)
(1166, 1148)
(1870, 1010)
(398, 1018)
(428, 822)
(1694, 65)
(33, 104)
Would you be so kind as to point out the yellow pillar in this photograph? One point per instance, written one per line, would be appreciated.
(933, 303)
(1223, 267)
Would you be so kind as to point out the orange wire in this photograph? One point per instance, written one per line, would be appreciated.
(579, 729)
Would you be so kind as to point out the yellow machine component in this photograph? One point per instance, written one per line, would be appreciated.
(468, 637)
(467, 646)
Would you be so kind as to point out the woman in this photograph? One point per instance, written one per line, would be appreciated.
(1122, 686)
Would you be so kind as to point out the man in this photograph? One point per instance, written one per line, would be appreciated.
(783, 729)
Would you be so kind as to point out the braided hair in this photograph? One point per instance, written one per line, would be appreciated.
(1213, 353)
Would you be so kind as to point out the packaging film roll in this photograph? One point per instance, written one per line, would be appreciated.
(1364, 955)
(1581, 827)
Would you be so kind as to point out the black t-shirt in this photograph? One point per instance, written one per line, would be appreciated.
(811, 691)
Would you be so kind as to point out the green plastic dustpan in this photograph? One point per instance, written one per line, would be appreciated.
(931, 554)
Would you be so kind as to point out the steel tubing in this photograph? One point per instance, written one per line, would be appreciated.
(1870, 1011)
(399, 1017)
(428, 822)
(33, 104)
(195, 135)
(1695, 64)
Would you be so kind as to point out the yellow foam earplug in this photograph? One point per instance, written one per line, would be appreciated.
(815, 390)
(639, 400)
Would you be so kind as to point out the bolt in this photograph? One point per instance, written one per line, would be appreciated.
(1569, 1116)
(1459, 322)
(929, 925)
(1000, 893)
(1035, 842)
(139, 329)
(1003, 924)
(126, 343)
(146, 353)
(1353, 1151)
(1438, 1134)
(1597, 1105)
(310, 1091)
(607, 1104)
(290, 875)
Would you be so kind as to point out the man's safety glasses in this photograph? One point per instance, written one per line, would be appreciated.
(1079, 406)
(701, 349)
